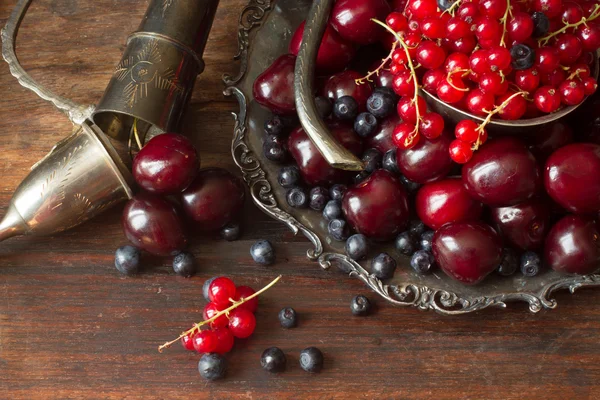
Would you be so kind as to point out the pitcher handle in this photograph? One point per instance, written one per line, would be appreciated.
(77, 113)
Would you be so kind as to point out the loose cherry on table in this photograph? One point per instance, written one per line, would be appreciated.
(524, 225)
(274, 88)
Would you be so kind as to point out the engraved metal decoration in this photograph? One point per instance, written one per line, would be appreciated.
(264, 32)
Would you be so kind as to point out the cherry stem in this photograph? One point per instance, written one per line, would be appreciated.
(367, 78)
(488, 119)
(595, 14)
(450, 10)
(235, 305)
(504, 20)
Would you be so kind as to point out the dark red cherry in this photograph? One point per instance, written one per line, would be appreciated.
(352, 19)
(153, 224)
(571, 177)
(274, 88)
(467, 251)
(167, 164)
(214, 199)
(524, 225)
(378, 206)
(428, 161)
(314, 168)
(334, 53)
(502, 173)
(344, 84)
(444, 202)
(382, 139)
(573, 246)
(546, 141)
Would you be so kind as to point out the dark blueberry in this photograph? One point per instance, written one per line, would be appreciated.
(417, 228)
(386, 90)
(345, 108)
(205, 287)
(273, 360)
(444, 4)
(318, 198)
(274, 126)
(289, 176)
(425, 240)
(541, 24)
(262, 252)
(275, 152)
(127, 260)
(361, 176)
(372, 159)
(333, 210)
(530, 264)
(275, 139)
(288, 318)
(523, 56)
(297, 197)
(406, 244)
(410, 186)
(324, 106)
(383, 266)
(337, 191)
(357, 246)
(212, 366)
(509, 263)
(389, 162)
(422, 261)
(311, 359)
(231, 232)
(381, 103)
(365, 125)
(360, 306)
(184, 264)
(338, 229)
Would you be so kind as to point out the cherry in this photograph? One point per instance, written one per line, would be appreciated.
(397, 21)
(153, 224)
(460, 152)
(334, 53)
(451, 89)
(520, 26)
(547, 99)
(502, 173)
(431, 125)
(378, 206)
(344, 84)
(241, 323)
(514, 108)
(571, 177)
(552, 8)
(382, 138)
(573, 246)
(205, 341)
(407, 109)
(214, 199)
(571, 92)
(527, 79)
(589, 35)
(274, 88)
(353, 19)
(524, 225)
(221, 291)
(547, 59)
(423, 8)
(432, 78)
(554, 136)
(242, 292)
(225, 340)
(187, 342)
(428, 161)
(430, 55)
(210, 310)
(404, 136)
(467, 251)
(479, 103)
(384, 78)
(569, 48)
(457, 28)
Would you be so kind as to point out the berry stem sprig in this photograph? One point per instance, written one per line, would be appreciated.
(595, 14)
(367, 78)
(235, 305)
(504, 21)
(451, 10)
(480, 129)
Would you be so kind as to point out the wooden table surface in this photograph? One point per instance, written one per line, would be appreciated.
(72, 327)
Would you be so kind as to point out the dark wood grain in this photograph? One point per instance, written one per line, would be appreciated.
(71, 327)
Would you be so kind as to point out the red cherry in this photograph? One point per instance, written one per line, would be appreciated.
(547, 99)
(205, 341)
(432, 79)
(344, 84)
(430, 55)
(520, 26)
(589, 35)
(546, 141)
(397, 21)
(551, 8)
(433, 27)
(571, 92)
(221, 291)
(466, 131)
(480, 103)
(451, 90)
(404, 84)
(493, 83)
(479, 61)
(353, 19)
(241, 323)
(423, 8)
(382, 138)
(569, 48)
(225, 340)
(589, 86)
(573, 246)
(456, 62)
(457, 28)
(524, 225)
(407, 110)
(210, 310)
(428, 161)
(527, 79)
(242, 292)
(274, 88)
(460, 152)
(187, 342)
(493, 8)
(404, 136)
(431, 125)
(547, 59)
(514, 108)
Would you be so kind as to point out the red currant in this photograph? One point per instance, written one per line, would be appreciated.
(571, 12)
(493, 83)
(569, 48)
(187, 342)
(554, 78)
(397, 21)
(493, 8)
(468, 11)
(479, 103)
(432, 79)
(547, 59)
(431, 125)
(514, 108)
(499, 58)
(225, 340)
(547, 99)
(399, 56)
(464, 45)
(451, 90)
(433, 28)
(241, 323)
(460, 152)
(527, 79)
(403, 84)
(466, 131)
(456, 62)
(423, 8)
(479, 61)
(583, 70)
(221, 290)
(571, 92)
(551, 8)
(412, 41)
(404, 136)
(407, 110)
(520, 27)
(243, 292)
(210, 310)
(414, 26)
(589, 35)
(488, 29)
(457, 28)
(430, 55)
(395, 69)
(205, 341)
(589, 85)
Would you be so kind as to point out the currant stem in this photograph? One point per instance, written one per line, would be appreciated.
(450, 10)
(367, 78)
(488, 119)
(235, 305)
(449, 79)
(575, 73)
(504, 20)
(595, 14)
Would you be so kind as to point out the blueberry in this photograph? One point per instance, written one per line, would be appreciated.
(389, 162)
(345, 108)
(417, 228)
(332, 210)
(127, 260)
(541, 24)
(311, 359)
(509, 263)
(275, 139)
(318, 198)
(372, 159)
(357, 246)
(273, 360)
(381, 103)
(288, 318)
(338, 229)
(184, 264)
(361, 176)
(410, 186)
(530, 264)
(324, 106)
(386, 90)
(206, 286)
(275, 152)
(406, 244)
(383, 266)
(523, 56)
(212, 366)
(296, 197)
(422, 261)
(365, 125)
(289, 176)
(426, 239)
(444, 4)
(262, 252)
(274, 126)
(337, 191)
(231, 232)
(360, 306)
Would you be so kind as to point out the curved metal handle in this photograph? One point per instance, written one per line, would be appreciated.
(335, 154)
(77, 113)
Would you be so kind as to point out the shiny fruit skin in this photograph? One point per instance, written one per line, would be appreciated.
(467, 251)
(382, 138)
(245, 292)
(428, 161)
(378, 206)
(214, 199)
(502, 173)
(545, 142)
(241, 323)
(352, 19)
(524, 225)
(274, 88)
(225, 340)
(205, 341)
(344, 84)
(210, 310)
(444, 202)
(153, 224)
(571, 177)
(573, 246)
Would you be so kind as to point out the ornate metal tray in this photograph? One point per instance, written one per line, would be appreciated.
(265, 28)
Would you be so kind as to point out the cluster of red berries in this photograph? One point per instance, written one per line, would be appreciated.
(512, 59)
